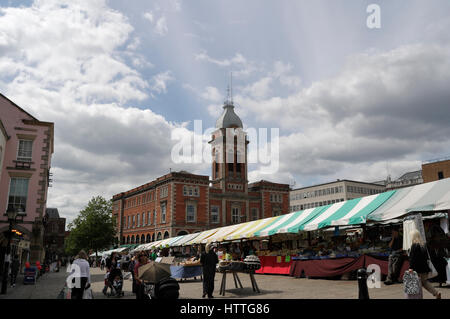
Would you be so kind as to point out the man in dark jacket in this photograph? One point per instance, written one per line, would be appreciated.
(209, 260)
(396, 258)
(15, 265)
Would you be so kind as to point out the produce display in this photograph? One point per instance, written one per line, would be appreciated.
(191, 262)
(252, 262)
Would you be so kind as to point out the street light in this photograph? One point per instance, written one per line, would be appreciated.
(12, 213)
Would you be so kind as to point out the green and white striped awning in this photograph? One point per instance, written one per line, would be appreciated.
(351, 212)
(433, 196)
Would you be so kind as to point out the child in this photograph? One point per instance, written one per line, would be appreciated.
(117, 284)
(105, 289)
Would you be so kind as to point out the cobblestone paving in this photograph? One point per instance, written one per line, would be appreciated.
(271, 287)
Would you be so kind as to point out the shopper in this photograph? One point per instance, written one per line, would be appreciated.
(418, 258)
(82, 276)
(15, 265)
(131, 270)
(209, 260)
(142, 260)
(437, 251)
(396, 258)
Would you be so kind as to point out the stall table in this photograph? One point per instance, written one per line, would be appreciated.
(330, 267)
(269, 265)
(237, 280)
(184, 272)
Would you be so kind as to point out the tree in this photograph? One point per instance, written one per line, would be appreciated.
(93, 229)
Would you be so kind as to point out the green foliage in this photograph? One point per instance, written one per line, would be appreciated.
(93, 229)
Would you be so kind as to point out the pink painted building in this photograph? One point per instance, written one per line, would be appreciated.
(24, 179)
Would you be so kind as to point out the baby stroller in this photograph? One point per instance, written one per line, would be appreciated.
(115, 283)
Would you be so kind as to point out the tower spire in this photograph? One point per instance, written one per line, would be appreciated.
(231, 85)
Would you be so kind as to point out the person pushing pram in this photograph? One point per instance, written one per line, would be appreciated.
(114, 281)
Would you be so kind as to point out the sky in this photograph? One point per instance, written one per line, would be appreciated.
(118, 78)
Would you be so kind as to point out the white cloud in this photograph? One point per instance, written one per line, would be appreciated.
(66, 65)
(149, 16)
(212, 94)
(384, 107)
(161, 80)
(159, 24)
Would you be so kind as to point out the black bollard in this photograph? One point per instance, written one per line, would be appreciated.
(362, 284)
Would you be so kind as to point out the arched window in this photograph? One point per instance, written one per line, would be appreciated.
(128, 239)
(182, 233)
(132, 239)
(148, 238)
(153, 237)
(142, 239)
(166, 235)
(159, 236)
(137, 239)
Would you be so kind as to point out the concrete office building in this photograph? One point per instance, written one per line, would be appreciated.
(330, 193)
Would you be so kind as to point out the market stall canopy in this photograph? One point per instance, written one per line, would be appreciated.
(172, 240)
(165, 243)
(203, 235)
(350, 212)
(344, 213)
(141, 247)
(185, 239)
(155, 244)
(250, 228)
(223, 232)
(269, 230)
(428, 197)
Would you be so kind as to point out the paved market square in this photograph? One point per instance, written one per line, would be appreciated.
(271, 287)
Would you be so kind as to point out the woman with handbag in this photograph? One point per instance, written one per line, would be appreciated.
(419, 262)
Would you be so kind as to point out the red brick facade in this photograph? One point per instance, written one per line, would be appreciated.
(192, 203)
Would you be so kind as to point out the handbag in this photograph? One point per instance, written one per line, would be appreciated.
(87, 294)
(411, 283)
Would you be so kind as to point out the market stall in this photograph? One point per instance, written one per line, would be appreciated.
(322, 267)
(189, 268)
(248, 266)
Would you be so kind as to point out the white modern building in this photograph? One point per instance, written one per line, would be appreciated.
(329, 193)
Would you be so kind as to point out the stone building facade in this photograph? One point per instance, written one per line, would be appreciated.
(54, 234)
(25, 177)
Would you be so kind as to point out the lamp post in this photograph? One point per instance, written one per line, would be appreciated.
(12, 213)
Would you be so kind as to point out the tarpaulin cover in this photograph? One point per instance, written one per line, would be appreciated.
(339, 266)
(186, 271)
